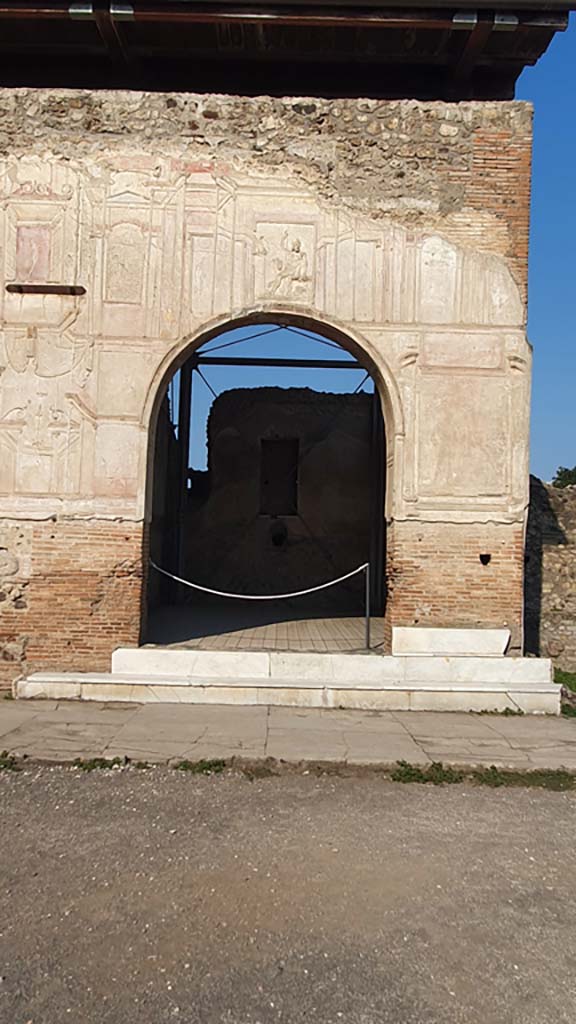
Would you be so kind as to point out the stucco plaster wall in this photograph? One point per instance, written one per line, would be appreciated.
(399, 227)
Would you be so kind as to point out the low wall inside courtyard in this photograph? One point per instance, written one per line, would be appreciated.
(551, 574)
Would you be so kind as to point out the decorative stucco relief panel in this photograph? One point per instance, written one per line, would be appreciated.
(163, 249)
(39, 237)
(46, 439)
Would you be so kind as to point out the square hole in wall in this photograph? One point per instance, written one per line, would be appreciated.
(279, 476)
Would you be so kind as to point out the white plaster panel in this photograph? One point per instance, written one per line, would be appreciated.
(123, 380)
(438, 269)
(462, 436)
(117, 459)
(476, 350)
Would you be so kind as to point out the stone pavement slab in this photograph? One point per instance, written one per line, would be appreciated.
(64, 730)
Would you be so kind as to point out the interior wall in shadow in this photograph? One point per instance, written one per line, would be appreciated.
(165, 508)
(287, 502)
(550, 574)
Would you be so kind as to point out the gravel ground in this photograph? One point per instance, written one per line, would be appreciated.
(142, 897)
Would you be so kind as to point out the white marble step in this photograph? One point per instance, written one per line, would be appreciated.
(417, 640)
(357, 669)
(480, 694)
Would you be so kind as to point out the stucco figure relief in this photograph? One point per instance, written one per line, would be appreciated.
(284, 263)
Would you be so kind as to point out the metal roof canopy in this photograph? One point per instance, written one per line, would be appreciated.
(293, 47)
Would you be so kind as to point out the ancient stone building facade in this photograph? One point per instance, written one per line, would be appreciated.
(135, 226)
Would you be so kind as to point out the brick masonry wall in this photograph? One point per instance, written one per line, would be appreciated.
(80, 600)
(500, 185)
(83, 597)
(550, 588)
(436, 577)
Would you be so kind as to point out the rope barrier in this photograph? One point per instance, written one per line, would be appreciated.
(259, 597)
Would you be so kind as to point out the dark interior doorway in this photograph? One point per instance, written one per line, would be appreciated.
(267, 488)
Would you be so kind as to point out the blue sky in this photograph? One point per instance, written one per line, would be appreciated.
(280, 343)
(551, 87)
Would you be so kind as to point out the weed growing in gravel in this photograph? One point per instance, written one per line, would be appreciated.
(541, 778)
(435, 773)
(438, 774)
(201, 767)
(93, 763)
(9, 695)
(8, 762)
(507, 712)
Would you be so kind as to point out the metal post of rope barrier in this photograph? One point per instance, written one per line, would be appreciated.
(367, 600)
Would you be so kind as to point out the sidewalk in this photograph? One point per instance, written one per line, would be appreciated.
(64, 730)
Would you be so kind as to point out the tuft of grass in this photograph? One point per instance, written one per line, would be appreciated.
(141, 764)
(439, 774)
(569, 710)
(8, 762)
(8, 695)
(506, 712)
(540, 778)
(92, 764)
(567, 679)
(213, 767)
(435, 773)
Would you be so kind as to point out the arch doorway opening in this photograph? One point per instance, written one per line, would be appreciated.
(268, 477)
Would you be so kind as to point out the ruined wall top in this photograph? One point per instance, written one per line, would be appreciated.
(461, 167)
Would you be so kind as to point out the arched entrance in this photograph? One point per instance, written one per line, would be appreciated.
(266, 476)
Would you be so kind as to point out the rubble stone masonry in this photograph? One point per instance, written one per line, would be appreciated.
(550, 583)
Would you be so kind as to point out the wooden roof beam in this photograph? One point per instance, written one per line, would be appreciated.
(99, 12)
(353, 12)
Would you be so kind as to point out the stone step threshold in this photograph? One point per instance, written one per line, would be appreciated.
(328, 668)
(531, 696)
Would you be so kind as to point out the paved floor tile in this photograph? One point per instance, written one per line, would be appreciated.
(9, 721)
(372, 748)
(293, 744)
(448, 724)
